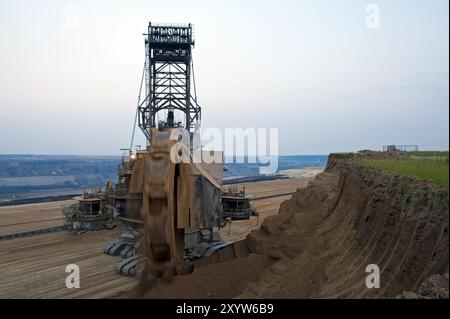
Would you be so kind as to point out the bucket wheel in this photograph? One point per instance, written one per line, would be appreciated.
(164, 243)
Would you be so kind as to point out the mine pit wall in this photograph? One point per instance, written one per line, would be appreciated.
(351, 216)
(401, 223)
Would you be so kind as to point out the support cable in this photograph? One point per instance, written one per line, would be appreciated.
(193, 79)
(137, 108)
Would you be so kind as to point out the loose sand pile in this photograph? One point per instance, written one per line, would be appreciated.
(319, 244)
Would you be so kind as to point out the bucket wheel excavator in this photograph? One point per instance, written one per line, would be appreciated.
(173, 203)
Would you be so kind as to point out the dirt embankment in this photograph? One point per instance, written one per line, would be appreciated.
(323, 238)
(352, 216)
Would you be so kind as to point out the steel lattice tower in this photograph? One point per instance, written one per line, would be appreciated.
(168, 72)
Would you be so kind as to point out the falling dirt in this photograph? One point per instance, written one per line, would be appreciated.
(324, 237)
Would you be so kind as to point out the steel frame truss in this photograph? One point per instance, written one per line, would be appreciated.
(168, 62)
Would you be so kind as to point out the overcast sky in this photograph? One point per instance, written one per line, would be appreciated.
(70, 71)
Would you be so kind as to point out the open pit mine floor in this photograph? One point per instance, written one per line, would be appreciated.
(315, 240)
(34, 266)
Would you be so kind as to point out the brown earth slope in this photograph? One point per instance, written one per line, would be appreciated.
(352, 216)
(319, 244)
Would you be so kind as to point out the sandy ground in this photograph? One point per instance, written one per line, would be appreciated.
(27, 217)
(302, 172)
(317, 246)
(34, 267)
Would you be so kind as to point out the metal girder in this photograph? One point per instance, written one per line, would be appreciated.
(168, 77)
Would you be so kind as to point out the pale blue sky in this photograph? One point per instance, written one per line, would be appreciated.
(70, 71)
